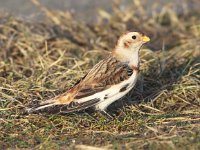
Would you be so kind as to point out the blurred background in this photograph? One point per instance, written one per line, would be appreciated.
(85, 10)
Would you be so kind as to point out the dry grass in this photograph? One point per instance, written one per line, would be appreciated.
(40, 60)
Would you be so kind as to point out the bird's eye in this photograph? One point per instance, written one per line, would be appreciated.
(134, 37)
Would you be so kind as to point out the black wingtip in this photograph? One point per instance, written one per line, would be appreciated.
(75, 106)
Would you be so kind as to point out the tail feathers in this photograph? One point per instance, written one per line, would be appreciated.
(52, 106)
(43, 106)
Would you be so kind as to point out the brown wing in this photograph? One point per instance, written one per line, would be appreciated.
(106, 73)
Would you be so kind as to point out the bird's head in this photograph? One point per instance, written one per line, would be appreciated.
(128, 46)
(132, 41)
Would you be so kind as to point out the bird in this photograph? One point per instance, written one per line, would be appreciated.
(108, 81)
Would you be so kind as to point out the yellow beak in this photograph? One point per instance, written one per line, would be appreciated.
(145, 39)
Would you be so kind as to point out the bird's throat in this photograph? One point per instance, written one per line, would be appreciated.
(128, 57)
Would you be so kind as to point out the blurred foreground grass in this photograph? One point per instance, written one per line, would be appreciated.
(39, 60)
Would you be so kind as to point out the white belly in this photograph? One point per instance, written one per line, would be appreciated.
(105, 103)
(115, 93)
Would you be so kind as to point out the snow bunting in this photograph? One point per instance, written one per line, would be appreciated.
(109, 80)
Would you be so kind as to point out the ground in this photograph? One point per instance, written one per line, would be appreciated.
(39, 60)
